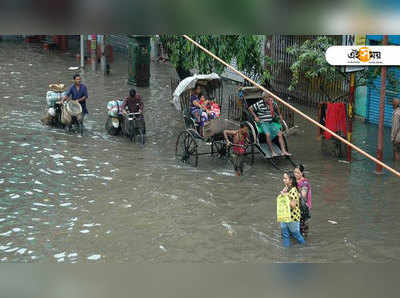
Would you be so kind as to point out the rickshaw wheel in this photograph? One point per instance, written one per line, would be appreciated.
(189, 124)
(218, 149)
(186, 149)
(131, 132)
(141, 136)
(110, 128)
(81, 128)
(286, 144)
(252, 154)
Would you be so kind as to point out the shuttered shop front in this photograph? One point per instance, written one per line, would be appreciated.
(374, 88)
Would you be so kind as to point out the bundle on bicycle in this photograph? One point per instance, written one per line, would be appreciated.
(125, 117)
(62, 112)
(265, 119)
(200, 99)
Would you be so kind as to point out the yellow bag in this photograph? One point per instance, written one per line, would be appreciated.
(283, 208)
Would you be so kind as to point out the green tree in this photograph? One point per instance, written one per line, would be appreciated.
(244, 50)
(310, 66)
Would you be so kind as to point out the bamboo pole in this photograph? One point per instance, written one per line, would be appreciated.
(293, 108)
(379, 154)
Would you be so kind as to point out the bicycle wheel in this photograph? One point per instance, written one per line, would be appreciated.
(141, 136)
(186, 149)
(132, 131)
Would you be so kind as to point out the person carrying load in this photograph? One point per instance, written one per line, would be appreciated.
(78, 92)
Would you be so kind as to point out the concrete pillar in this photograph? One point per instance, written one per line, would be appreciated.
(82, 51)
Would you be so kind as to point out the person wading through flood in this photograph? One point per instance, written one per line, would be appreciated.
(265, 113)
(133, 102)
(304, 188)
(396, 129)
(292, 226)
(240, 139)
(78, 92)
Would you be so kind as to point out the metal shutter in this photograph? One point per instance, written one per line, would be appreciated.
(374, 100)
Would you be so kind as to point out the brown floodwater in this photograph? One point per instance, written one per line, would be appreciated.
(98, 198)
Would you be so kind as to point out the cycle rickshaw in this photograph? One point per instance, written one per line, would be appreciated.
(132, 125)
(239, 107)
(191, 141)
(66, 115)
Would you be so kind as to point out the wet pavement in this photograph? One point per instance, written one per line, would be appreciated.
(97, 198)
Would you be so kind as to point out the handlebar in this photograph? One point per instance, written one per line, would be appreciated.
(235, 145)
(132, 116)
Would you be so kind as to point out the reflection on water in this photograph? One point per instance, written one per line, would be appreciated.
(97, 198)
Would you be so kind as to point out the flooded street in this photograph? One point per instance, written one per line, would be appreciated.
(97, 198)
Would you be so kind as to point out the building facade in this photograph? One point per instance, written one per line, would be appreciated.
(368, 102)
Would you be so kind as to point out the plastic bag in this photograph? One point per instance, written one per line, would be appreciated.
(305, 211)
(283, 212)
(114, 108)
(66, 118)
(57, 87)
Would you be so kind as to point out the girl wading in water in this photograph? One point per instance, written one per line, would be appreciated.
(291, 224)
(304, 188)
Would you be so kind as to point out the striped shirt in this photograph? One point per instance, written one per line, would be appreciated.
(263, 112)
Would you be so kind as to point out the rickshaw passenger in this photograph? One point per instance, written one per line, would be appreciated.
(264, 112)
(207, 113)
(196, 108)
(215, 109)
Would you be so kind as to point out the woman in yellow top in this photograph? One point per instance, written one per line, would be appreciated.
(292, 227)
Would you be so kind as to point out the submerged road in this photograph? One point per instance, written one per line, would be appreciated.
(97, 198)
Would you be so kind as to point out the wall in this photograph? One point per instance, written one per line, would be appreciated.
(119, 43)
(361, 101)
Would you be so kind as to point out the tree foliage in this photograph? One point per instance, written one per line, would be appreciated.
(244, 50)
(310, 65)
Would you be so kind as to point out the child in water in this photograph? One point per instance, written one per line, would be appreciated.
(239, 138)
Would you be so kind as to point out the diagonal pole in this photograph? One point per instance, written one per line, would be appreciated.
(294, 109)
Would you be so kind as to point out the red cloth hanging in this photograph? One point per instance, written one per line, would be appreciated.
(342, 121)
(336, 119)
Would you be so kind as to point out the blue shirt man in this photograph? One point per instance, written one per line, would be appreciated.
(78, 91)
